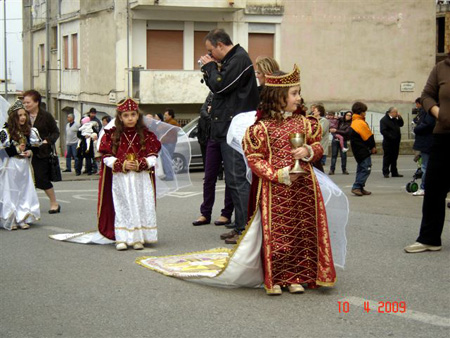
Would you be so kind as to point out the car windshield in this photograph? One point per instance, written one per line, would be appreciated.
(187, 128)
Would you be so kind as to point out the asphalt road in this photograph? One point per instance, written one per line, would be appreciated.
(56, 289)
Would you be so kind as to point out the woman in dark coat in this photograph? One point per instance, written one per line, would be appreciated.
(44, 122)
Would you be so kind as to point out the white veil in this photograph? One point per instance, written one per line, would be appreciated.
(166, 133)
(4, 105)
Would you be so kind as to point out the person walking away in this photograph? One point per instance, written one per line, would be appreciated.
(390, 126)
(436, 101)
(71, 142)
(363, 146)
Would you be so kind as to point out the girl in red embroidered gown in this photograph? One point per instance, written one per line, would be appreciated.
(296, 244)
(129, 151)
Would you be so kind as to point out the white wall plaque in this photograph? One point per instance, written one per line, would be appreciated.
(407, 86)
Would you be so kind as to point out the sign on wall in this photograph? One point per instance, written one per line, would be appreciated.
(407, 86)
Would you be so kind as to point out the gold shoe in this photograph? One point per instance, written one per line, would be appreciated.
(121, 246)
(296, 288)
(24, 226)
(138, 246)
(275, 291)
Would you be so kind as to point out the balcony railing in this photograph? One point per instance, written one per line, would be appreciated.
(195, 4)
(168, 86)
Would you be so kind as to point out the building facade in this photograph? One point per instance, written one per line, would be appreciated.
(85, 53)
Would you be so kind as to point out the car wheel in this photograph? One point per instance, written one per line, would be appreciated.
(179, 164)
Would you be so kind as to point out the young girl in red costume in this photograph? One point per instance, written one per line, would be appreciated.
(126, 206)
(296, 245)
(286, 242)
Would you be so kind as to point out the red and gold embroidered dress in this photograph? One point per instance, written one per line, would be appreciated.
(296, 244)
(126, 204)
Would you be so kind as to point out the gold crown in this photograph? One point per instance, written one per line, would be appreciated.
(287, 80)
(127, 104)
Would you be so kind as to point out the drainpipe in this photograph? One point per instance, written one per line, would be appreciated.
(47, 59)
(128, 48)
(6, 52)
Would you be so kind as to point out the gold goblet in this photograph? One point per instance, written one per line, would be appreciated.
(131, 157)
(297, 140)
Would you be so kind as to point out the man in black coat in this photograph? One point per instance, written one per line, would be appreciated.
(390, 126)
(229, 74)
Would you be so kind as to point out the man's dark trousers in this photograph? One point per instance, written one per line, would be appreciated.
(390, 156)
(236, 181)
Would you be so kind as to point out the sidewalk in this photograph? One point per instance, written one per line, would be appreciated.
(72, 176)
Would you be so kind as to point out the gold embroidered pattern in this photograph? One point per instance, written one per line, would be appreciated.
(296, 246)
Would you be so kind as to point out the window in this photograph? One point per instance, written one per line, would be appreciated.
(75, 51)
(66, 52)
(260, 44)
(440, 35)
(54, 42)
(41, 57)
(164, 49)
(199, 47)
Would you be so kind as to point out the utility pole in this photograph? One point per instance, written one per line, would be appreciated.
(6, 52)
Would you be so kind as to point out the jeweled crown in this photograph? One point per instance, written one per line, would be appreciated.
(15, 106)
(127, 104)
(287, 80)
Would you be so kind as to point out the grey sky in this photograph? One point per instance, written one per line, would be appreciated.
(14, 41)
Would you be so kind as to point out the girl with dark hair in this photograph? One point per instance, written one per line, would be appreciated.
(44, 122)
(286, 242)
(126, 207)
(19, 202)
(296, 244)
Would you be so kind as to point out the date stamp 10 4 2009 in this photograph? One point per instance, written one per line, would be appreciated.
(381, 307)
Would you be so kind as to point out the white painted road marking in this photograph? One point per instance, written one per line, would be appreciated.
(57, 229)
(79, 190)
(409, 314)
(86, 197)
(58, 200)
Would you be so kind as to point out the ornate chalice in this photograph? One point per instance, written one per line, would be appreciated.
(297, 140)
(131, 157)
